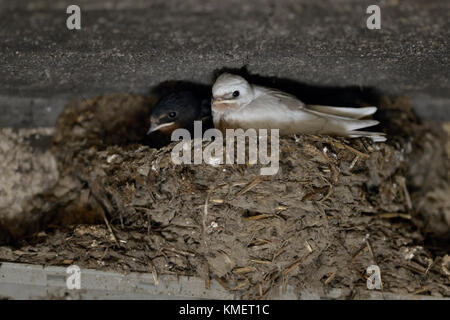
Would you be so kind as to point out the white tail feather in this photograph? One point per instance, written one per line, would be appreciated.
(352, 124)
(375, 136)
(354, 113)
(346, 126)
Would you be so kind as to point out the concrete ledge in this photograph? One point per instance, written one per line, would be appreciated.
(25, 281)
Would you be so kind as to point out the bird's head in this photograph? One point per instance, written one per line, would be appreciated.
(231, 92)
(176, 110)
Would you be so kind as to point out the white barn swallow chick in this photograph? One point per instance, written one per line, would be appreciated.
(239, 104)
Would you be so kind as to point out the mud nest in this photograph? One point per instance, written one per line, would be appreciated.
(335, 207)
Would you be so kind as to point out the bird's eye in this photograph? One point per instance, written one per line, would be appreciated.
(236, 94)
(172, 114)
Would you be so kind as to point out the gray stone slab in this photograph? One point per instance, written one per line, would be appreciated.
(131, 46)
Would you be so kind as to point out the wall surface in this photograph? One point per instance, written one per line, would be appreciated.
(131, 46)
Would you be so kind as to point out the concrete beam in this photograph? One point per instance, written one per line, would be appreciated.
(134, 45)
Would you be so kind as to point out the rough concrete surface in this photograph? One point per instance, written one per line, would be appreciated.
(131, 46)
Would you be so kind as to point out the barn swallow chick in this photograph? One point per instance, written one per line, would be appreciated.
(180, 110)
(238, 104)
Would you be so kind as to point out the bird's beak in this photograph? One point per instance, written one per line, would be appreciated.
(219, 103)
(155, 127)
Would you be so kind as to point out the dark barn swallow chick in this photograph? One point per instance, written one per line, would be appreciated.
(180, 110)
